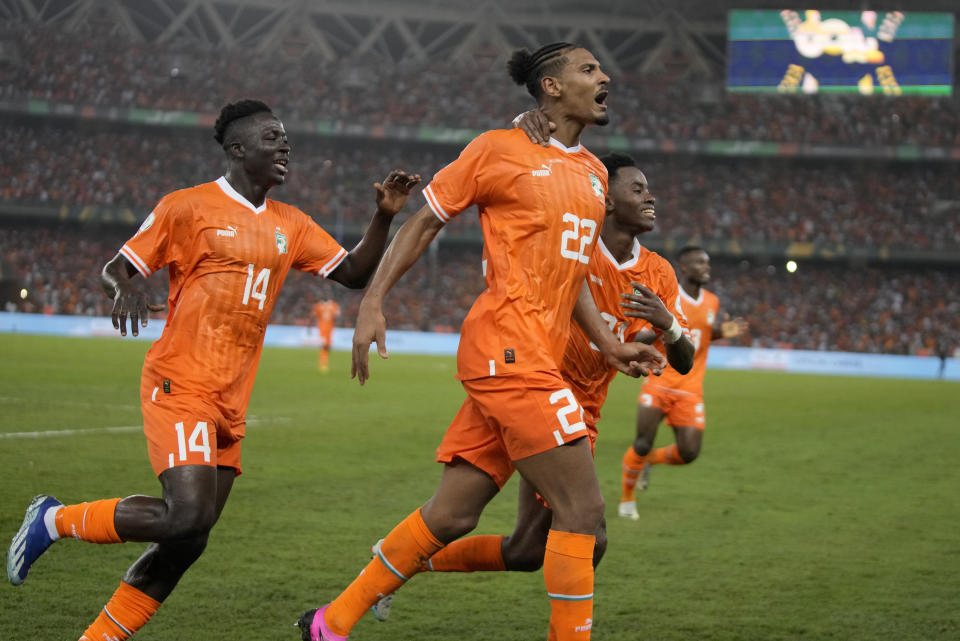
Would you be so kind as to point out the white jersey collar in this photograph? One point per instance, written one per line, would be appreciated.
(562, 147)
(235, 195)
(690, 299)
(628, 263)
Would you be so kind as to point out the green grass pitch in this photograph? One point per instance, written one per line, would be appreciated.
(821, 508)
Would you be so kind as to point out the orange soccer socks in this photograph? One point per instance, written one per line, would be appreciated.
(92, 522)
(472, 554)
(632, 466)
(568, 575)
(669, 455)
(128, 610)
(403, 553)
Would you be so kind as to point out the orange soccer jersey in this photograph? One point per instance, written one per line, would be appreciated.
(701, 314)
(584, 368)
(326, 311)
(540, 211)
(227, 261)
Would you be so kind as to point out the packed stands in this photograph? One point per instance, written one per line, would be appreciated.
(59, 67)
(906, 205)
(821, 307)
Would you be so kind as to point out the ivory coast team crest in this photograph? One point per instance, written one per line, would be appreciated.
(596, 185)
(281, 242)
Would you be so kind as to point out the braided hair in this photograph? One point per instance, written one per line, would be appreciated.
(528, 68)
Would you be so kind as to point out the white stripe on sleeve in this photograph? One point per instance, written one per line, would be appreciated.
(136, 261)
(333, 264)
(435, 204)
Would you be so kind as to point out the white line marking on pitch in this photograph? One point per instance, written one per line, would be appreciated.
(66, 403)
(253, 420)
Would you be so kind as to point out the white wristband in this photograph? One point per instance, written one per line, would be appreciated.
(673, 333)
(516, 121)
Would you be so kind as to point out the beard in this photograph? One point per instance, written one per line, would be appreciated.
(602, 119)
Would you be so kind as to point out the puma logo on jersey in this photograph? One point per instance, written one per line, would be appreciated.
(596, 279)
(229, 232)
(545, 168)
(585, 627)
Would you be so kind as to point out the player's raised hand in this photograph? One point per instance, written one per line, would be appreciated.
(733, 328)
(371, 327)
(129, 301)
(393, 192)
(643, 303)
(637, 359)
(536, 125)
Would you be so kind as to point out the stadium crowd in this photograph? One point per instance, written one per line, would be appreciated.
(821, 307)
(40, 63)
(897, 205)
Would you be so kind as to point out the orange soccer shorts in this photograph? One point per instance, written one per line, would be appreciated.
(682, 409)
(508, 418)
(184, 429)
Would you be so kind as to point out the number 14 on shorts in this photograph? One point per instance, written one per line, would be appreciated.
(198, 442)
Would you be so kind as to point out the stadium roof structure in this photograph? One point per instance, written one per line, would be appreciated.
(627, 35)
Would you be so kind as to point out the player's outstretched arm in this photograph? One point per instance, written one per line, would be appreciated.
(645, 304)
(128, 299)
(411, 240)
(633, 359)
(392, 194)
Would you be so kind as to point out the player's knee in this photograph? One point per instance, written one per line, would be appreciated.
(584, 515)
(185, 551)
(642, 445)
(189, 521)
(453, 526)
(688, 451)
(523, 554)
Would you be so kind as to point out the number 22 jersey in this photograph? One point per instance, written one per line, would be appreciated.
(540, 211)
(227, 261)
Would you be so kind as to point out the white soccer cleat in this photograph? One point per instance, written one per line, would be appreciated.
(628, 510)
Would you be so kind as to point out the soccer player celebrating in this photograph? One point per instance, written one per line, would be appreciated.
(634, 289)
(228, 250)
(325, 312)
(677, 396)
(540, 210)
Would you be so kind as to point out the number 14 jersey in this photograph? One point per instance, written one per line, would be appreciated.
(540, 211)
(227, 261)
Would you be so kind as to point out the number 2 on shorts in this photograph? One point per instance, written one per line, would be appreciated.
(564, 412)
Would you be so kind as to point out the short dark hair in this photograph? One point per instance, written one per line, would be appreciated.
(689, 249)
(528, 68)
(235, 111)
(615, 161)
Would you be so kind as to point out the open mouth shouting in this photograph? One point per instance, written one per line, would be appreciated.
(601, 98)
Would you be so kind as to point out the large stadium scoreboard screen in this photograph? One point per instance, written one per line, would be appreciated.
(858, 52)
